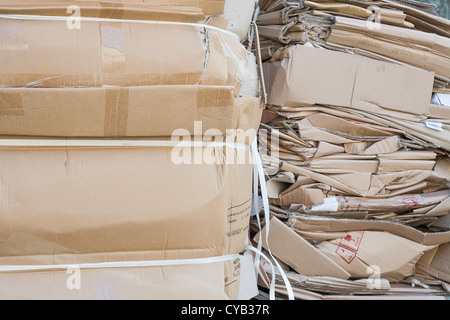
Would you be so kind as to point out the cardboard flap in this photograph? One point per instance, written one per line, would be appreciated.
(296, 252)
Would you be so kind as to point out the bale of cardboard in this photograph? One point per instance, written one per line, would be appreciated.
(97, 199)
(354, 140)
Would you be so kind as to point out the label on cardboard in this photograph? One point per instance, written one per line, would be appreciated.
(434, 125)
(329, 205)
(349, 246)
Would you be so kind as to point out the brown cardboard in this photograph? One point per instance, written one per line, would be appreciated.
(420, 49)
(215, 280)
(439, 202)
(343, 166)
(327, 288)
(388, 165)
(56, 7)
(326, 224)
(436, 263)
(87, 200)
(364, 253)
(92, 9)
(440, 112)
(368, 84)
(296, 252)
(44, 52)
(143, 111)
(299, 194)
(339, 124)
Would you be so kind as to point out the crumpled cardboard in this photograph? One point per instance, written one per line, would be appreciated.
(436, 263)
(424, 50)
(364, 253)
(368, 84)
(360, 253)
(355, 146)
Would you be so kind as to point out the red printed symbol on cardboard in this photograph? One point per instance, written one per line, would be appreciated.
(348, 246)
(412, 200)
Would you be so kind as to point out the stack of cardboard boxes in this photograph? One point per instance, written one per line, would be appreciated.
(355, 139)
(98, 198)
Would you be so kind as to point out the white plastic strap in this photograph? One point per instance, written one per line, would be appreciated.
(265, 197)
(116, 143)
(124, 264)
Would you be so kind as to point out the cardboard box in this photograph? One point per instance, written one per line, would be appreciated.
(232, 279)
(85, 200)
(145, 111)
(318, 76)
(79, 205)
(44, 52)
(103, 9)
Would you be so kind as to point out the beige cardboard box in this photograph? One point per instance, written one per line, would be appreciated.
(84, 205)
(85, 200)
(318, 76)
(126, 9)
(44, 52)
(145, 111)
(217, 280)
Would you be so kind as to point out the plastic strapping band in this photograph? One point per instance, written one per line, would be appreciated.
(251, 33)
(265, 197)
(115, 143)
(124, 264)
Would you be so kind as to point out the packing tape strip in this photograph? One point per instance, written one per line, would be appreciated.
(123, 264)
(11, 104)
(116, 112)
(258, 180)
(113, 48)
(112, 10)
